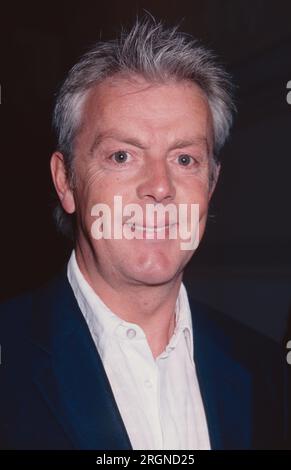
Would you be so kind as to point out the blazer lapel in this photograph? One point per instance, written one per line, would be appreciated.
(224, 384)
(70, 373)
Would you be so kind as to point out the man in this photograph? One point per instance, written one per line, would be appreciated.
(111, 354)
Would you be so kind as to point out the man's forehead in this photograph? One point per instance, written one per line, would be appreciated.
(188, 126)
(134, 85)
(137, 139)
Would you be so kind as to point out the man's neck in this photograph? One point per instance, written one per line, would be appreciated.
(152, 307)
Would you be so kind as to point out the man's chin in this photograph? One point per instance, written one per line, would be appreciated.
(156, 264)
(155, 275)
(155, 279)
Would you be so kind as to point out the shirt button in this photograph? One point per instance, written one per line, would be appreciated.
(148, 383)
(131, 333)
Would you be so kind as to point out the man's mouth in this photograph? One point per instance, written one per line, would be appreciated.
(150, 229)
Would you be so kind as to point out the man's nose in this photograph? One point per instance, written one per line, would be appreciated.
(157, 184)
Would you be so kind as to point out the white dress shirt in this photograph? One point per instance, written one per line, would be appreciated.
(159, 399)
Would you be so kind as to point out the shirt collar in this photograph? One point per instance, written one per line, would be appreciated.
(104, 323)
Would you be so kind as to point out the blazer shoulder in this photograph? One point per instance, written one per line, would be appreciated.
(16, 312)
(234, 336)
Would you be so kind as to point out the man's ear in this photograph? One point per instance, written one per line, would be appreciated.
(214, 178)
(61, 182)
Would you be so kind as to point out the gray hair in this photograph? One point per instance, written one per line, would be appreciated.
(155, 52)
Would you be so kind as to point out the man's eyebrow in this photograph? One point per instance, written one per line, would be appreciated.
(101, 136)
(179, 143)
(197, 141)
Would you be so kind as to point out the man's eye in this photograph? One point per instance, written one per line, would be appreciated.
(120, 157)
(185, 159)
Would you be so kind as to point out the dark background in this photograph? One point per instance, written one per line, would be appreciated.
(243, 265)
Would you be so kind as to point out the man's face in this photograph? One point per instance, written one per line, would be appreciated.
(133, 142)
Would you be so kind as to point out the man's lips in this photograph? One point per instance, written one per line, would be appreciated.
(150, 228)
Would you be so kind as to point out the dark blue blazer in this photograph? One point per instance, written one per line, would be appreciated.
(54, 392)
